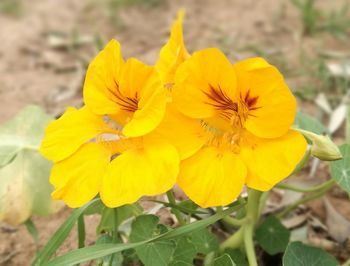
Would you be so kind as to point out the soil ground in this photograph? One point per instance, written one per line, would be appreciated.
(45, 46)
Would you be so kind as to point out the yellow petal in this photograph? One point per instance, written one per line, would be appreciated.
(141, 82)
(274, 106)
(212, 177)
(77, 179)
(269, 161)
(150, 170)
(173, 53)
(74, 128)
(102, 80)
(197, 77)
(185, 133)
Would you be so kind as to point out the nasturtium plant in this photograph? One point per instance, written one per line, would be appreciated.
(340, 170)
(24, 186)
(204, 241)
(224, 132)
(115, 259)
(299, 254)
(156, 253)
(224, 260)
(306, 122)
(111, 218)
(272, 236)
(237, 256)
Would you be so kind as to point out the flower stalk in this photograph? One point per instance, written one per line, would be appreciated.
(244, 235)
(322, 189)
(252, 216)
(175, 211)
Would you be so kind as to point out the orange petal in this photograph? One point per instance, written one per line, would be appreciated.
(173, 53)
(141, 82)
(185, 133)
(196, 78)
(74, 128)
(212, 177)
(102, 80)
(269, 161)
(274, 107)
(138, 172)
(77, 179)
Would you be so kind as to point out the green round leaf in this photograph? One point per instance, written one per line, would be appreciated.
(237, 256)
(299, 254)
(272, 236)
(115, 259)
(23, 132)
(24, 184)
(306, 122)
(184, 253)
(156, 253)
(224, 260)
(98, 251)
(108, 222)
(340, 170)
(204, 241)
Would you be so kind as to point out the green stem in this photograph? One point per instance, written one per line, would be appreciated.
(230, 220)
(252, 216)
(262, 202)
(33, 232)
(318, 193)
(177, 213)
(115, 224)
(245, 233)
(234, 241)
(304, 190)
(81, 231)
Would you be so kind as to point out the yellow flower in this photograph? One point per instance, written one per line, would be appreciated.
(173, 53)
(129, 92)
(176, 127)
(246, 111)
(108, 147)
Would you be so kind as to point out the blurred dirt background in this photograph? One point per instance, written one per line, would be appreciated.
(45, 47)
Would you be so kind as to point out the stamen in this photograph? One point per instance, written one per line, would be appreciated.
(221, 102)
(235, 112)
(127, 103)
(250, 101)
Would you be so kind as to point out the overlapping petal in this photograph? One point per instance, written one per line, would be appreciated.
(212, 177)
(148, 170)
(274, 104)
(141, 83)
(77, 179)
(269, 161)
(198, 79)
(186, 134)
(65, 135)
(102, 80)
(173, 53)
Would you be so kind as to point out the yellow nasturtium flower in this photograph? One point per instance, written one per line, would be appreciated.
(175, 127)
(246, 111)
(173, 53)
(108, 146)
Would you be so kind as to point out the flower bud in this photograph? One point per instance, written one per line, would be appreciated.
(325, 149)
(322, 146)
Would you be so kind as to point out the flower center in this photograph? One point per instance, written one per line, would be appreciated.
(233, 113)
(226, 107)
(129, 104)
